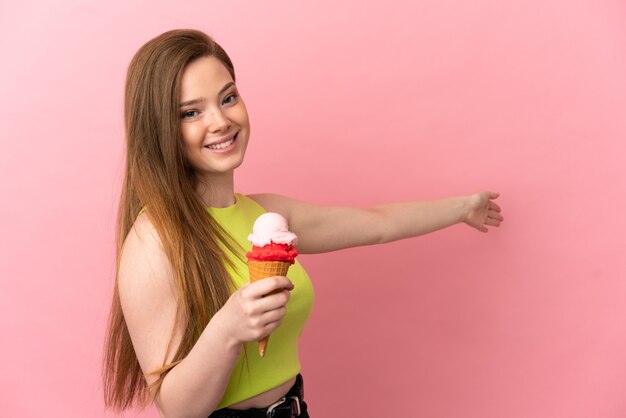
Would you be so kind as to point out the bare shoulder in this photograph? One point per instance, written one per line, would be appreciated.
(143, 253)
(271, 202)
(289, 207)
(145, 285)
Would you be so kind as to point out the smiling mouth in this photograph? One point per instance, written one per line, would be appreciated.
(224, 144)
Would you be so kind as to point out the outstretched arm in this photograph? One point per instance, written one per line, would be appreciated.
(328, 228)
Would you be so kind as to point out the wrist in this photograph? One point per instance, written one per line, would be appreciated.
(464, 207)
(219, 323)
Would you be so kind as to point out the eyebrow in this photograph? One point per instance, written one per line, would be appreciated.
(194, 101)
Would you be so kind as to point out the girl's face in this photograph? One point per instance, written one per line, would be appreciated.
(213, 118)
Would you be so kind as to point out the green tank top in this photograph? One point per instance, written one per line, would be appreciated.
(281, 361)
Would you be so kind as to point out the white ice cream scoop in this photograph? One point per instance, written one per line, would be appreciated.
(271, 227)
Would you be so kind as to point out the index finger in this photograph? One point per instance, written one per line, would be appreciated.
(269, 284)
(495, 206)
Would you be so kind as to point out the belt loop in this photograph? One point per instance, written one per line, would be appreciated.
(298, 411)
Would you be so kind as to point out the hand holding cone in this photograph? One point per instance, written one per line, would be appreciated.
(272, 252)
(260, 270)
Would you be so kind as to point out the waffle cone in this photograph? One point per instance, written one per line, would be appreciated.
(260, 270)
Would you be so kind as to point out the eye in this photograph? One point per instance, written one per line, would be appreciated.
(233, 96)
(189, 114)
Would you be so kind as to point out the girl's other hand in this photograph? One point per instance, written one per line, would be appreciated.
(482, 211)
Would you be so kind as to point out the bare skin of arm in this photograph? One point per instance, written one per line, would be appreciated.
(194, 387)
(329, 228)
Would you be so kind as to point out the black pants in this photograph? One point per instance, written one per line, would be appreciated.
(296, 390)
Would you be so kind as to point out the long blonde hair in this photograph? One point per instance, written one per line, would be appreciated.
(159, 178)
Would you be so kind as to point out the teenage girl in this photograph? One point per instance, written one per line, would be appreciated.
(184, 319)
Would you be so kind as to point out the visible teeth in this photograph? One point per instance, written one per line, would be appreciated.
(222, 145)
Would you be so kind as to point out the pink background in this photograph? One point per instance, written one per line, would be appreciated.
(362, 104)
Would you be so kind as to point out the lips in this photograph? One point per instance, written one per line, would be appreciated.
(223, 143)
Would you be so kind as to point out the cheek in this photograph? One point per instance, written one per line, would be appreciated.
(190, 134)
(242, 115)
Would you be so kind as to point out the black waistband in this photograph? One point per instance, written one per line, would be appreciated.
(296, 390)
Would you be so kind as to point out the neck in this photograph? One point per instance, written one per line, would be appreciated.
(217, 190)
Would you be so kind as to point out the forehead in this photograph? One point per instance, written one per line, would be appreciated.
(204, 76)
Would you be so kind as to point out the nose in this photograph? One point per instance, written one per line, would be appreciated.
(217, 121)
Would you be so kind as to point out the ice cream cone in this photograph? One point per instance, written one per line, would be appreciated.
(272, 252)
(260, 270)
